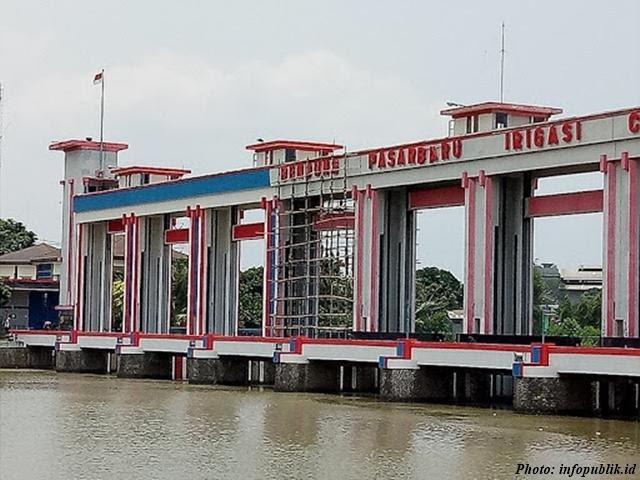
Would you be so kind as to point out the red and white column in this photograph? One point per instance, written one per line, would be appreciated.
(131, 302)
(197, 284)
(366, 253)
(78, 323)
(270, 208)
(479, 251)
(620, 292)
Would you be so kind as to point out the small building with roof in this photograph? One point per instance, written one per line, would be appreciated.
(33, 276)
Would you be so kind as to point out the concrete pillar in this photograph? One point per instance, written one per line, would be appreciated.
(155, 274)
(96, 278)
(145, 365)
(419, 384)
(222, 258)
(14, 357)
(559, 395)
(503, 388)
(41, 357)
(359, 378)
(224, 371)
(82, 159)
(307, 377)
(27, 357)
(262, 372)
(367, 247)
(268, 372)
(618, 397)
(131, 300)
(498, 255)
(82, 361)
(397, 263)
(621, 282)
(473, 387)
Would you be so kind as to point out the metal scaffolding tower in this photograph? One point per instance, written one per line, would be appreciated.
(314, 253)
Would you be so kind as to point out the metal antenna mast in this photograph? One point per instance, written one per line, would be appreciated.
(502, 67)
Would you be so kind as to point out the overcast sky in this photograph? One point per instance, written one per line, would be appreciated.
(189, 84)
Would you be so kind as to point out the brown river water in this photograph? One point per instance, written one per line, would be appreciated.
(70, 426)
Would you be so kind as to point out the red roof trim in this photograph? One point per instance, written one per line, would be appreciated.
(133, 169)
(208, 175)
(70, 145)
(298, 145)
(490, 107)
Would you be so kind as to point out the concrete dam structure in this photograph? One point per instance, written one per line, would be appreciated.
(338, 231)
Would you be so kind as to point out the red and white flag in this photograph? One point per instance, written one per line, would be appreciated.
(98, 78)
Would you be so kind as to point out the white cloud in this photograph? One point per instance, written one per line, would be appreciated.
(209, 110)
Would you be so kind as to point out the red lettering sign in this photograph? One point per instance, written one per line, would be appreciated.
(316, 167)
(415, 155)
(543, 136)
(634, 122)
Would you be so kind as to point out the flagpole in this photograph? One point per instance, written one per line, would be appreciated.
(102, 122)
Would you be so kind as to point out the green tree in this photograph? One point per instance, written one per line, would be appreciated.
(541, 296)
(439, 323)
(118, 302)
(437, 291)
(5, 294)
(589, 311)
(335, 307)
(567, 327)
(179, 288)
(250, 297)
(14, 236)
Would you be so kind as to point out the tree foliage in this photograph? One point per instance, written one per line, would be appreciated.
(437, 291)
(14, 236)
(250, 297)
(118, 301)
(5, 294)
(589, 310)
(541, 296)
(335, 307)
(581, 320)
(438, 322)
(179, 288)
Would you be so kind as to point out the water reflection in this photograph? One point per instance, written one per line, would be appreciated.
(82, 426)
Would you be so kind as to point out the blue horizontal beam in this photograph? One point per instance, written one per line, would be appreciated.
(174, 190)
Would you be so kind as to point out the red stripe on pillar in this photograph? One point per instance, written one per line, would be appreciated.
(359, 198)
(125, 295)
(488, 255)
(373, 304)
(611, 254)
(136, 284)
(266, 286)
(177, 367)
(71, 222)
(79, 282)
(471, 252)
(190, 271)
(201, 297)
(633, 248)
